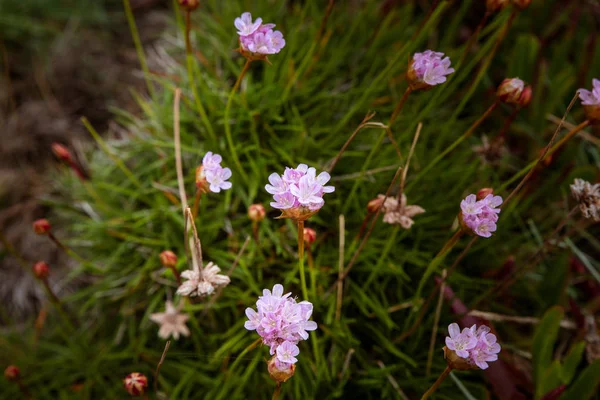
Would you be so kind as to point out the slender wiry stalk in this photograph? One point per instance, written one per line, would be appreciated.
(507, 123)
(227, 125)
(340, 288)
(301, 258)
(399, 106)
(473, 38)
(436, 321)
(138, 46)
(160, 363)
(425, 20)
(410, 154)
(277, 391)
(177, 146)
(196, 203)
(240, 357)
(188, 29)
(437, 383)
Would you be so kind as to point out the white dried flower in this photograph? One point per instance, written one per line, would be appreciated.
(172, 322)
(202, 283)
(588, 196)
(398, 213)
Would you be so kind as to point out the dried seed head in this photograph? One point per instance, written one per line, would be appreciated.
(168, 259)
(41, 270)
(135, 384)
(41, 226)
(521, 4)
(510, 91)
(256, 212)
(309, 236)
(61, 152)
(280, 371)
(189, 5)
(588, 197)
(12, 373)
(495, 5)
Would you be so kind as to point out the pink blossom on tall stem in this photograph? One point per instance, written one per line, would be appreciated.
(257, 40)
(591, 97)
(210, 176)
(428, 69)
(479, 217)
(474, 346)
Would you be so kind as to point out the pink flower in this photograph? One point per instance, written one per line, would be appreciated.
(211, 176)
(591, 98)
(287, 352)
(460, 342)
(480, 217)
(430, 67)
(476, 345)
(211, 161)
(245, 26)
(217, 179)
(258, 38)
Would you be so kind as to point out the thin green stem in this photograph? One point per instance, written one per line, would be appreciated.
(244, 352)
(138, 46)
(226, 122)
(301, 259)
(437, 383)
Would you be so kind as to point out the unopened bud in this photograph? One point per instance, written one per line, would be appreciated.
(525, 98)
(375, 204)
(309, 236)
(510, 90)
(521, 4)
(483, 193)
(168, 258)
(456, 362)
(592, 113)
(280, 371)
(135, 384)
(189, 5)
(201, 182)
(495, 5)
(12, 373)
(41, 270)
(61, 152)
(256, 212)
(41, 226)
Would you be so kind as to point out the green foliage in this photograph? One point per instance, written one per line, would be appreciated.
(302, 109)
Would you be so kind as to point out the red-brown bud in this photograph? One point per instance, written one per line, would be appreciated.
(279, 371)
(61, 152)
(135, 384)
(521, 4)
(189, 5)
(201, 182)
(592, 113)
(495, 5)
(483, 193)
(12, 373)
(309, 236)
(510, 91)
(168, 259)
(41, 226)
(41, 270)
(256, 212)
(375, 204)
(525, 98)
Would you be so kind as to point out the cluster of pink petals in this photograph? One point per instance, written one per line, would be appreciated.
(299, 187)
(591, 98)
(431, 67)
(257, 37)
(477, 345)
(281, 322)
(481, 216)
(216, 175)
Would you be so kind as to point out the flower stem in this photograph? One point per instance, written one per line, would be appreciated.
(138, 46)
(250, 347)
(437, 383)
(473, 38)
(301, 259)
(277, 391)
(196, 203)
(399, 106)
(66, 249)
(226, 122)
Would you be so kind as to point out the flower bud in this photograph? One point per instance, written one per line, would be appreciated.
(484, 192)
(456, 362)
(41, 270)
(61, 152)
(375, 204)
(510, 91)
(592, 113)
(12, 373)
(135, 384)
(280, 371)
(309, 236)
(41, 226)
(525, 98)
(168, 259)
(521, 4)
(201, 182)
(495, 5)
(256, 212)
(189, 5)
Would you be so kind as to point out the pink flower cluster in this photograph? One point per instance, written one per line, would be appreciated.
(257, 37)
(591, 98)
(477, 345)
(481, 216)
(282, 323)
(215, 175)
(299, 187)
(431, 67)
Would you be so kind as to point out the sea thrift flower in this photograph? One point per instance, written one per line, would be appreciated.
(257, 40)
(41, 226)
(398, 213)
(588, 196)
(280, 371)
(591, 101)
(210, 176)
(281, 322)
(310, 235)
(510, 90)
(495, 5)
(168, 259)
(428, 69)
(135, 384)
(470, 348)
(12, 373)
(256, 212)
(480, 216)
(202, 283)
(41, 270)
(298, 193)
(172, 322)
